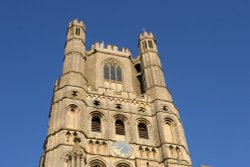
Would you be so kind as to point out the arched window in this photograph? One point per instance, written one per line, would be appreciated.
(96, 124)
(143, 131)
(122, 165)
(97, 163)
(112, 72)
(119, 127)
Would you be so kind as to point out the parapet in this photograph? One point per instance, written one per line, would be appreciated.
(110, 49)
(146, 35)
(75, 22)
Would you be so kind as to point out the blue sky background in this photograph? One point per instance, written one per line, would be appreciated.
(204, 47)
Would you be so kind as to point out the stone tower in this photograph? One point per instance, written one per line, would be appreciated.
(112, 110)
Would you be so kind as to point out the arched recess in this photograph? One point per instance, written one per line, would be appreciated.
(178, 152)
(168, 130)
(97, 163)
(122, 163)
(72, 118)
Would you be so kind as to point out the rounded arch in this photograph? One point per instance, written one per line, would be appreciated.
(73, 108)
(97, 114)
(122, 163)
(169, 121)
(120, 117)
(145, 121)
(97, 162)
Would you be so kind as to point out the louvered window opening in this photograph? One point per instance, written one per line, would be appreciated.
(143, 131)
(119, 128)
(96, 124)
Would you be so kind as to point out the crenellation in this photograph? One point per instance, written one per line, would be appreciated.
(77, 23)
(110, 49)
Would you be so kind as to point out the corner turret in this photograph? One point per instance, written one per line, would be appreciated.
(74, 55)
(76, 37)
(152, 73)
(147, 43)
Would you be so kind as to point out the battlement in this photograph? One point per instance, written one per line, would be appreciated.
(111, 49)
(75, 22)
(146, 35)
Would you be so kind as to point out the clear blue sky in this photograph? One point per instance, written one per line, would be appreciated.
(205, 51)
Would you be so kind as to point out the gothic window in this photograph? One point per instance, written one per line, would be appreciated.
(112, 72)
(150, 44)
(96, 124)
(143, 131)
(78, 31)
(119, 127)
(113, 77)
(119, 73)
(106, 72)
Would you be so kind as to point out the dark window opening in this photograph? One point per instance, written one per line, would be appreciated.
(119, 74)
(96, 124)
(150, 44)
(142, 88)
(119, 127)
(113, 73)
(143, 131)
(78, 31)
(106, 71)
(138, 68)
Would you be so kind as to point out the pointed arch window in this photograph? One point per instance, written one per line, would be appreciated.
(96, 124)
(143, 131)
(106, 71)
(119, 73)
(119, 127)
(112, 72)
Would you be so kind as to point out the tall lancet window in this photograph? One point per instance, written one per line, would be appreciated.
(106, 72)
(112, 72)
(119, 73)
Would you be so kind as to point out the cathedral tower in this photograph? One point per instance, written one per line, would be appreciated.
(112, 110)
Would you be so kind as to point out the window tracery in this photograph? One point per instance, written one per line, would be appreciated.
(112, 72)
